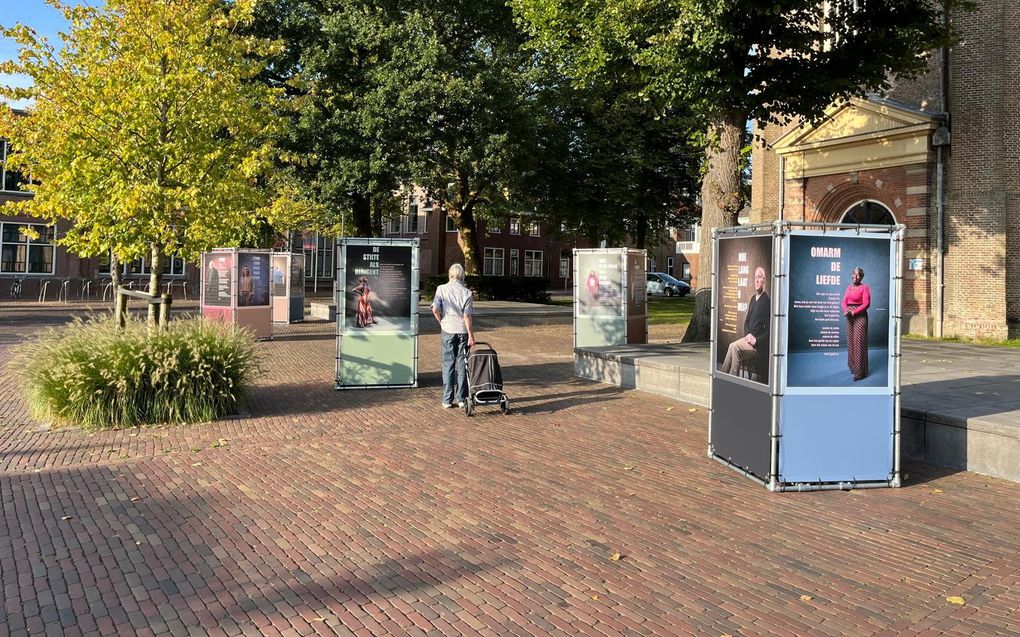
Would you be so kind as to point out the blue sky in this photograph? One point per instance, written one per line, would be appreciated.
(34, 13)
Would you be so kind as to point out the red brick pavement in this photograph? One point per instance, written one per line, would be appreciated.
(379, 513)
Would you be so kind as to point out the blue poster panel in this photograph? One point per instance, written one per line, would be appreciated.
(744, 312)
(378, 288)
(253, 274)
(839, 311)
(836, 438)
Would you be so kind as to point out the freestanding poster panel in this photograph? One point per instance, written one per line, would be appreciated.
(288, 287)
(610, 298)
(742, 320)
(377, 313)
(807, 397)
(236, 289)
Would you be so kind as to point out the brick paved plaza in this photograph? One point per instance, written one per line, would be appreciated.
(379, 513)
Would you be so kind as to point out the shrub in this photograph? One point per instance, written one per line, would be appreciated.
(527, 289)
(91, 374)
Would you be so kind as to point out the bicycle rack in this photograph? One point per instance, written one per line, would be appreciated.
(62, 292)
(86, 290)
(44, 287)
(184, 290)
(108, 288)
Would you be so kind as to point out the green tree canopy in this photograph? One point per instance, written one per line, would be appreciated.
(729, 61)
(145, 129)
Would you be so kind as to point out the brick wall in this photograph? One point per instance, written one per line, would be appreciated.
(976, 264)
(904, 190)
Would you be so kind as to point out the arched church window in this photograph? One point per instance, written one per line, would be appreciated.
(869, 212)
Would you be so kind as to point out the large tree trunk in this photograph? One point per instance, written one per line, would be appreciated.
(720, 205)
(377, 230)
(467, 236)
(362, 213)
(155, 280)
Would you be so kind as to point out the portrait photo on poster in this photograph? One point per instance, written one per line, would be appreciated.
(378, 287)
(253, 276)
(216, 278)
(278, 286)
(600, 284)
(744, 314)
(839, 311)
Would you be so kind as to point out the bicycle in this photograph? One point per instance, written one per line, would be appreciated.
(16, 289)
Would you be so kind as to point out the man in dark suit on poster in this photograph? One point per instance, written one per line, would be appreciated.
(751, 350)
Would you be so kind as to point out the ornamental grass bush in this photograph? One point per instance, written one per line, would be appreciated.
(90, 373)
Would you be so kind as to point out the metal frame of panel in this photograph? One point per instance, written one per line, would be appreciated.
(780, 232)
(625, 286)
(340, 298)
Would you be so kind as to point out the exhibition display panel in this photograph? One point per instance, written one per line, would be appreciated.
(805, 354)
(288, 287)
(377, 313)
(610, 299)
(236, 289)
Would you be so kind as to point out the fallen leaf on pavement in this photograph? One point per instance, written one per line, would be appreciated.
(956, 600)
(615, 557)
(66, 517)
(806, 598)
(693, 409)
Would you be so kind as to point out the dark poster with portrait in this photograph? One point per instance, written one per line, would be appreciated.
(253, 275)
(216, 274)
(826, 347)
(297, 275)
(378, 288)
(744, 313)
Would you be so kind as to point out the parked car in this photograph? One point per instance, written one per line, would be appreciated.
(662, 283)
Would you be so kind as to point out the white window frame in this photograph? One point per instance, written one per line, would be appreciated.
(564, 267)
(685, 270)
(28, 243)
(515, 256)
(4, 150)
(535, 229)
(450, 225)
(669, 266)
(492, 257)
(533, 258)
(515, 226)
(496, 227)
(394, 224)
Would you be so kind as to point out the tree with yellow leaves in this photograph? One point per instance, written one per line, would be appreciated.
(145, 130)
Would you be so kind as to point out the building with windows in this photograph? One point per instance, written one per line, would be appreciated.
(44, 270)
(939, 154)
(516, 246)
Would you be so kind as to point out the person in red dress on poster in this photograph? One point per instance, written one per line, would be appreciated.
(856, 302)
(363, 316)
(592, 285)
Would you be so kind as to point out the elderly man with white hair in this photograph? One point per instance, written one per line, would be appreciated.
(453, 307)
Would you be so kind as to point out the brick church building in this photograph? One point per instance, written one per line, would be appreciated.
(939, 154)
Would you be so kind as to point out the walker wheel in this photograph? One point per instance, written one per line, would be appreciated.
(504, 406)
(468, 409)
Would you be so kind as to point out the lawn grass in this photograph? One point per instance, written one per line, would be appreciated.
(1013, 342)
(662, 310)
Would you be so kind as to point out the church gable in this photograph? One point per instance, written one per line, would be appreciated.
(851, 121)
